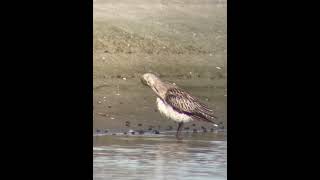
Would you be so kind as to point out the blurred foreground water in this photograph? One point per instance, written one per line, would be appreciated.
(197, 157)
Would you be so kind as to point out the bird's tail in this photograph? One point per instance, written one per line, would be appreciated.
(207, 115)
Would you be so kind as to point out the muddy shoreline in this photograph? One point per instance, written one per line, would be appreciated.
(182, 42)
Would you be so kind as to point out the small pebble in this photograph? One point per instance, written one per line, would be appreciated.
(156, 132)
(193, 124)
(141, 132)
(139, 124)
(124, 78)
(105, 131)
(102, 114)
(131, 131)
(218, 67)
(195, 131)
(127, 123)
(98, 130)
(121, 102)
(204, 129)
(99, 102)
(109, 106)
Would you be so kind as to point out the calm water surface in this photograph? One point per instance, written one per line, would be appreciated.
(197, 157)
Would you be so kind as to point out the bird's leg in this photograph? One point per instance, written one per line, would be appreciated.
(179, 130)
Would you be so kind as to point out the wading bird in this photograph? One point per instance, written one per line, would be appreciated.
(177, 104)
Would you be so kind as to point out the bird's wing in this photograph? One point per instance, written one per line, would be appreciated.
(179, 100)
(185, 103)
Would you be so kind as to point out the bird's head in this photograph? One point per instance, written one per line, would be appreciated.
(155, 84)
(149, 79)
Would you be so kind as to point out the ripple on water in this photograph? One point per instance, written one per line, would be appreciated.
(145, 158)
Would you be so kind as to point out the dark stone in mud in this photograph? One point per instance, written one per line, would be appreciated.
(156, 132)
(113, 134)
(195, 131)
(211, 129)
(186, 128)
(150, 128)
(203, 129)
(193, 124)
(131, 132)
(98, 130)
(139, 124)
(106, 131)
(127, 123)
(121, 102)
(106, 51)
(125, 133)
(141, 132)
(118, 76)
(109, 106)
(155, 110)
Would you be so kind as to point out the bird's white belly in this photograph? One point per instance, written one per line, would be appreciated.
(168, 111)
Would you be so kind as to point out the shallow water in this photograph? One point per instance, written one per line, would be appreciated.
(196, 157)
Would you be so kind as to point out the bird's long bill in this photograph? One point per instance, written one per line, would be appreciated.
(144, 82)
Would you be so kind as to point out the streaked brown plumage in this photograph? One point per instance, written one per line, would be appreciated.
(185, 103)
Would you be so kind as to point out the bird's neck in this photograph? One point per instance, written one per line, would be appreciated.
(160, 88)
